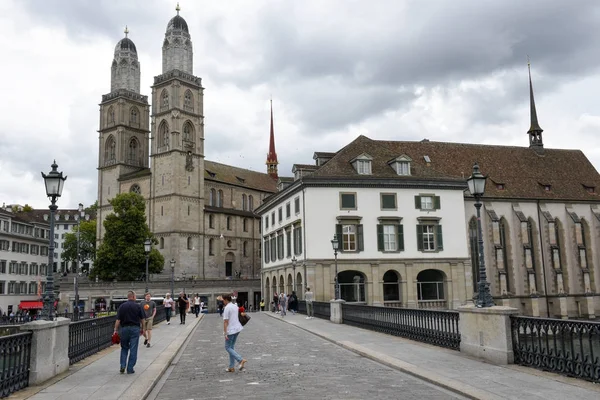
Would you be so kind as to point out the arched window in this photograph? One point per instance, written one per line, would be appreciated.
(244, 205)
(163, 134)
(245, 223)
(245, 249)
(391, 286)
(188, 100)
(189, 243)
(133, 117)
(220, 198)
(474, 245)
(228, 223)
(212, 198)
(188, 132)
(162, 243)
(430, 286)
(211, 247)
(211, 221)
(250, 203)
(135, 188)
(111, 115)
(110, 151)
(165, 99)
(503, 248)
(133, 151)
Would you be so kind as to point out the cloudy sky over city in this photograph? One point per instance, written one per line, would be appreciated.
(400, 70)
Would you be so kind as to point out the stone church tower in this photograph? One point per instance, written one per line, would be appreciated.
(177, 205)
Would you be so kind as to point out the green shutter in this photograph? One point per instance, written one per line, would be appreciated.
(380, 245)
(361, 242)
(299, 240)
(339, 236)
(400, 231)
(418, 202)
(419, 238)
(436, 202)
(439, 239)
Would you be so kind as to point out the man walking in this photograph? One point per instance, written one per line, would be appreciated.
(182, 304)
(149, 308)
(129, 318)
(309, 296)
(231, 330)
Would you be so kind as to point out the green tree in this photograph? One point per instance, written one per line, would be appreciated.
(27, 208)
(92, 208)
(121, 254)
(87, 243)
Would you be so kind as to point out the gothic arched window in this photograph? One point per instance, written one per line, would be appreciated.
(165, 99)
(133, 151)
(133, 118)
(188, 100)
(213, 194)
(220, 198)
(189, 243)
(188, 132)
(244, 202)
(211, 247)
(250, 203)
(111, 115)
(163, 134)
(110, 151)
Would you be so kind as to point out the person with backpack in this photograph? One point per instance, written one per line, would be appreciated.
(231, 329)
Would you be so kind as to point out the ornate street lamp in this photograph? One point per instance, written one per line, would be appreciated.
(54, 182)
(294, 261)
(147, 249)
(476, 184)
(172, 277)
(335, 244)
(81, 215)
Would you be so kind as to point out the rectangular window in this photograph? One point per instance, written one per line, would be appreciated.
(348, 201)
(363, 167)
(388, 201)
(288, 210)
(2, 287)
(267, 251)
(280, 246)
(349, 237)
(427, 202)
(297, 240)
(429, 237)
(273, 218)
(297, 205)
(390, 237)
(2, 266)
(280, 214)
(273, 248)
(288, 243)
(4, 245)
(11, 287)
(266, 222)
(403, 168)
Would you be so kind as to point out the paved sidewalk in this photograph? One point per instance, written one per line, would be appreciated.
(448, 368)
(101, 380)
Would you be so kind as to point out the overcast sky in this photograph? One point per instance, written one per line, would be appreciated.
(451, 70)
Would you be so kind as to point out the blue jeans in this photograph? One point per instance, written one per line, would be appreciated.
(229, 346)
(168, 314)
(130, 337)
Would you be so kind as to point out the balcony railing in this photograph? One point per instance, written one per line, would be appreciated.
(89, 336)
(15, 354)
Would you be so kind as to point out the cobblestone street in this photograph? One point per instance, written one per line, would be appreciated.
(284, 362)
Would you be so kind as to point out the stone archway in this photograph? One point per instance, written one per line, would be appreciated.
(352, 286)
(391, 286)
(298, 283)
(431, 289)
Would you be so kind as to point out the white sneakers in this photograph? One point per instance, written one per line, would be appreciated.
(169, 323)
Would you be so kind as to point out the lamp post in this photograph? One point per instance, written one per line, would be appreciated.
(147, 248)
(476, 184)
(335, 244)
(172, 277)
(54, 182)
(81, 215)
(294, 261)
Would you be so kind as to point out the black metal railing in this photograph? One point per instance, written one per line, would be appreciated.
(439, 328)
(160, 316)
(15, 353)
(321, 309)
(89, 336)
(567, 347)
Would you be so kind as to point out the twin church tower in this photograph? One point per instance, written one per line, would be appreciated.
(200, 211)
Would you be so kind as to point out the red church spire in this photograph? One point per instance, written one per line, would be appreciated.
(272, 154)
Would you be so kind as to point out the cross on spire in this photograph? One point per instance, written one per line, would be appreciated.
(126, 31)
(177, 8)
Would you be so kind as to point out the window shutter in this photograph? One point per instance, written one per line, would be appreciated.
(400, 231)
(339, 236)
(380, 245)
(359, 233)
(436, 202)
(419, 238)
(418, 202)
(299, 240)
(439, 239)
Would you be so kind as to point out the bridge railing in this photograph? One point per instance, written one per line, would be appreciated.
(567, 347)
(321, 309)
(15, 354)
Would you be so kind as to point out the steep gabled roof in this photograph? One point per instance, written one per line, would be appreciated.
(228, 174)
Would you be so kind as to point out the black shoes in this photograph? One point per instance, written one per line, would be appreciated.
(145, 342)
(122, 370)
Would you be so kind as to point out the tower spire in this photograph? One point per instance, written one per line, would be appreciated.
(272, 154)
(535, 131)
(177, 8)
(126, 31)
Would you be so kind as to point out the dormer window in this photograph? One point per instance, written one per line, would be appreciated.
(500, 186)
(401, 165)
(362, 164)
(589, 189)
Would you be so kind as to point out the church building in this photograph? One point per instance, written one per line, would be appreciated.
(201, 212)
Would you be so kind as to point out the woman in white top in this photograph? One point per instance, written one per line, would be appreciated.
(169, 304)
(197, 304)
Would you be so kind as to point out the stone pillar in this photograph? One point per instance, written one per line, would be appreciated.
(486, 333)
(376, 292)
(589, 300)
(49, 349)
(336, 311)
(562, 302)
